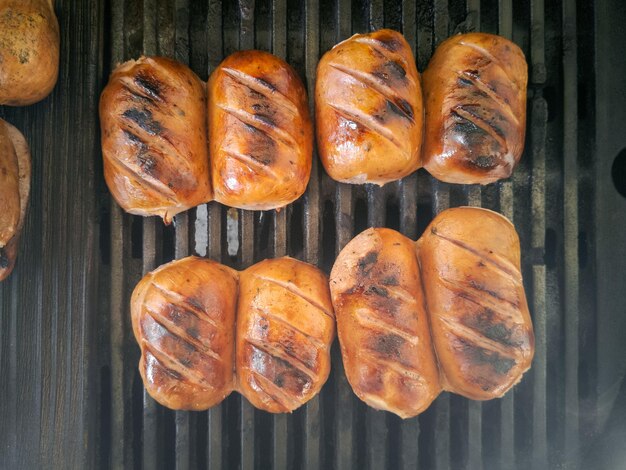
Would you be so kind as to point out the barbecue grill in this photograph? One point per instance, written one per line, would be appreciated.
(70, 392)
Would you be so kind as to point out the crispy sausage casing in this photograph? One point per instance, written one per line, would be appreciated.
(183, 318)
(475, 100)
(29, 51)
(285, 326)
(369, 112)
(480, 324)
(14, 193)
(260, 132)
(382, 323)
(154, 146)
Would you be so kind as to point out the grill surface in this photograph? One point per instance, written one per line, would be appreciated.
(70, 392)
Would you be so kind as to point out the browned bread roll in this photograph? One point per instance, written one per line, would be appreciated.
(369, 114)
(260, 133)
(479, 319)
(14, 193)
(29, 51)
(475, 100)
(285, 326)
(382, 323)
(183, 316)
(153, 119)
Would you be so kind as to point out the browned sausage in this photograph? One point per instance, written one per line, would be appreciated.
(14, 193)
(260, 132)
(285, 326)
(183, 316)
(475, 99)
(369, 114)
(382, 323)
(480, 324)
(153, 119)
(29, 51)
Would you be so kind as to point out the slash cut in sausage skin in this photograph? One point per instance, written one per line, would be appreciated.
(285, 326)
(369, 112)
(15, 169)
(260, 132)
(382, 323)
(183, 316)
(480, 324)
(475, 101)
(205, 330)
(154, 137)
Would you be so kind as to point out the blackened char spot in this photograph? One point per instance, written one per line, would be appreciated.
(388, 71)
(390, 281)
(143, 118)
(173, 373)
(195, 303)
(266, 84)
(149, 84)
(486, 323)
(133, 138)
(185, 361)
(484, 161)
(479, 356)
(481, 287)
(380, 291)
(366, 263)
(147, 163)
(279, 380)
(387, 345)
(265, 119)
(4, 259)
(464, 82)
(391, 43)
(193, 332)
(402, 108)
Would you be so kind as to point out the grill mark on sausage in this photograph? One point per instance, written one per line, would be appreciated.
(179, 333)
(464, 112)
(264, 88)
(478, 356)
(379, 48)
(274, 391)
(474, 79)
(368, 122)
(488, 323)
(475, 336)
(364, 318)
(367, 262)
(493, 59)
(144, 119)
(150, 84)
(182, 373)
(382, 363)
(282, 357)
(175, 298)
(254, 163)
(399, 105)
(273, 132)
(266, 313)
(295, 290)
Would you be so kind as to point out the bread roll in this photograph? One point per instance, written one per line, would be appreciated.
(369, 114)
(14, 193)
(285, 326)
(475, 99)
(154, 146)
(260, 133)
(183, 316)
(479, 319)
(29, 51)
(382, 323)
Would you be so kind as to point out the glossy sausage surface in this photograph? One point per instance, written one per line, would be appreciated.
(260, 132)
(475, 101)
(154, 144)
(480, 323)
(369, 112)
(285, 326)
(183, 316)
(382, 323)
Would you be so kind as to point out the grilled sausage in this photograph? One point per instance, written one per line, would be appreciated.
(153, 119)
(480, 324)
(382, 323)
(260, 132)
(29, 51)
(14, 193)
(475, 99)
(369, 114)
(285, 326)
(183, 316)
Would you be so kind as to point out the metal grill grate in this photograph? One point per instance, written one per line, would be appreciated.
(70, 392)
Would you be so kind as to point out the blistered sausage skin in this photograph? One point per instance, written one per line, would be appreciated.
(369, 112)
(183, 316)
(479, 318)
(475, 102)
(285, 326)
(154, 137)
(260, 132)
(382, 323)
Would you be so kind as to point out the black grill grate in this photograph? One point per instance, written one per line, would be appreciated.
(70, 392)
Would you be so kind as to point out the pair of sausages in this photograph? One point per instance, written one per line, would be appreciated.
(205, 330)
(370, 111)
(163, 156)
(446, 313)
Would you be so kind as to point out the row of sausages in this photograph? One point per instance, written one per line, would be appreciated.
(247, 141)
(447, 312)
